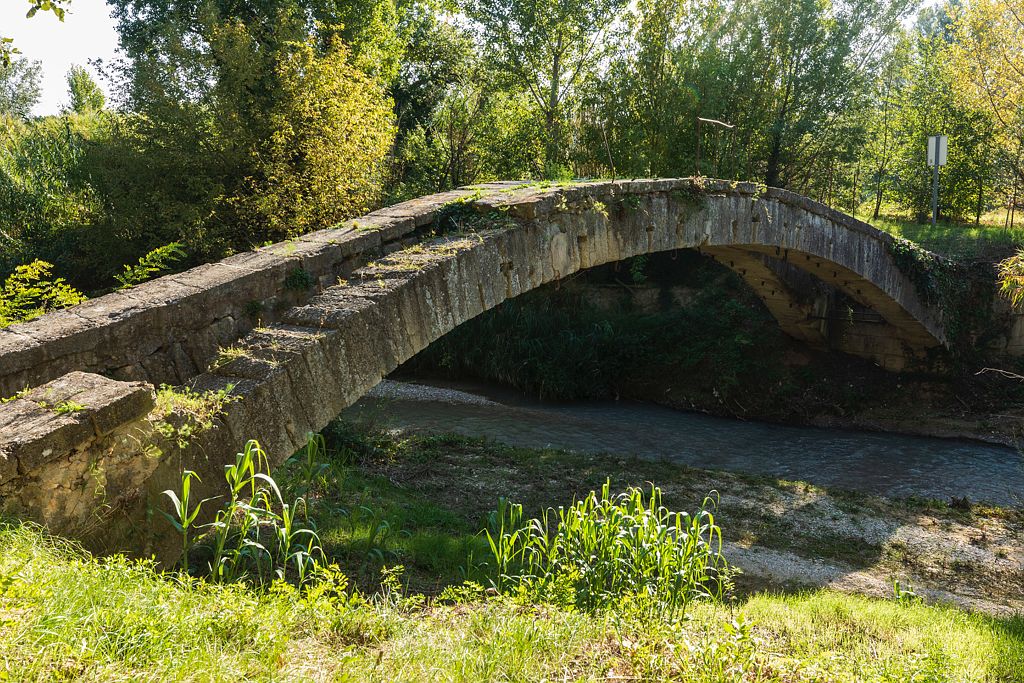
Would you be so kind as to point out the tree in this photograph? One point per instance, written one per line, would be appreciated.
(84, 92)
(990, 34)
(58, 7)
(932, 102)
(881, 145)
(815, 57)
(545, 47)
(248, 124)
(49, 209)
(332, 128)
(19, 88)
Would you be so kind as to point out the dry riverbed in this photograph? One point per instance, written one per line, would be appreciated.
(782, 534)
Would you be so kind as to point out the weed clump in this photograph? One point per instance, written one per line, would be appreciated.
(609, 551)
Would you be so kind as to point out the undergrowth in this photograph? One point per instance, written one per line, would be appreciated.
(29, 292)
(65, 614)
(556, 343)
(609, 549)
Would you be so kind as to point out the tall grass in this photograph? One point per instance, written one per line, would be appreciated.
(604, 551)
(65, 615)
(256, 535)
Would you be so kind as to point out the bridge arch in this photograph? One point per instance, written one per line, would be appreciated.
(342, 308)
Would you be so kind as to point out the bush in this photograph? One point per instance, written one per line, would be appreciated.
(28, 293)
(603, 552)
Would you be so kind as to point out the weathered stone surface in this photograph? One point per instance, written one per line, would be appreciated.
(57, 418)
(73, 450)
(170, 328)
(300, 330)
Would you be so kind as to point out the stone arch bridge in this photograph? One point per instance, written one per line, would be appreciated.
(274, 343)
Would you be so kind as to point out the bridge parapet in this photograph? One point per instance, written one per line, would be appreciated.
(169, 329)
(70, 450)
(297, 331)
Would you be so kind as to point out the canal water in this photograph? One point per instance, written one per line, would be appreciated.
(882, 463)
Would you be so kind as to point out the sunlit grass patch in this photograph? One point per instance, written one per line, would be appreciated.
(962, 241)
(65, 615)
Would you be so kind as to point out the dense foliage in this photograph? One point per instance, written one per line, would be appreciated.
(29, 292)
(566, 341)
(233, 124)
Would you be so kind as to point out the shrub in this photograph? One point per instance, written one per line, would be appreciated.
(610, 550)
(29, 293)
(156, 261)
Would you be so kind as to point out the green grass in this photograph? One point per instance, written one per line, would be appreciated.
(959, 241)
(65, 615)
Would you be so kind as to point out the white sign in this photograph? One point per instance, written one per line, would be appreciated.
(939, 141)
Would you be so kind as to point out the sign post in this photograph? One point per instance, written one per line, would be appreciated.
(714, 122)
(937, 148)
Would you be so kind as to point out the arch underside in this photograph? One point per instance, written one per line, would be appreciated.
(809, 313)
(349, 336)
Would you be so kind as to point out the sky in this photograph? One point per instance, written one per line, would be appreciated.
(87, 33)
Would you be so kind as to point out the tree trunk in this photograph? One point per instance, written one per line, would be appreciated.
(771, 178)
(981, 199)
(551, 144)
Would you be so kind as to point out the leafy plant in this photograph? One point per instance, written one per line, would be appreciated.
(312, 467)
(156, 261)
(256, 534)
(637, 268)
(606, 550)
(68, 406)
(1011, 278)
(184, 515)
(187, 412)
(29, 293)
(299, 280)
(904, 594)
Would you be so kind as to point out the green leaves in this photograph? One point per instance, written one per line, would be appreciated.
(610, 550)
(156, 261)
(29, 293)
(255, 534)
(7, 48)
(55, 6)
(1011, 278)
(184, 515)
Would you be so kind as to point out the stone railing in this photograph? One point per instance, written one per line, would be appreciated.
(73, 452)
(297, 331)
(170, 329)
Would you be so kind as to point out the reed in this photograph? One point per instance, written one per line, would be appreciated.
(609, 550)
(255, 535)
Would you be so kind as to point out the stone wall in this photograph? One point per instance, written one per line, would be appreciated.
(73, 452)
(374, 293)
(170, 329)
